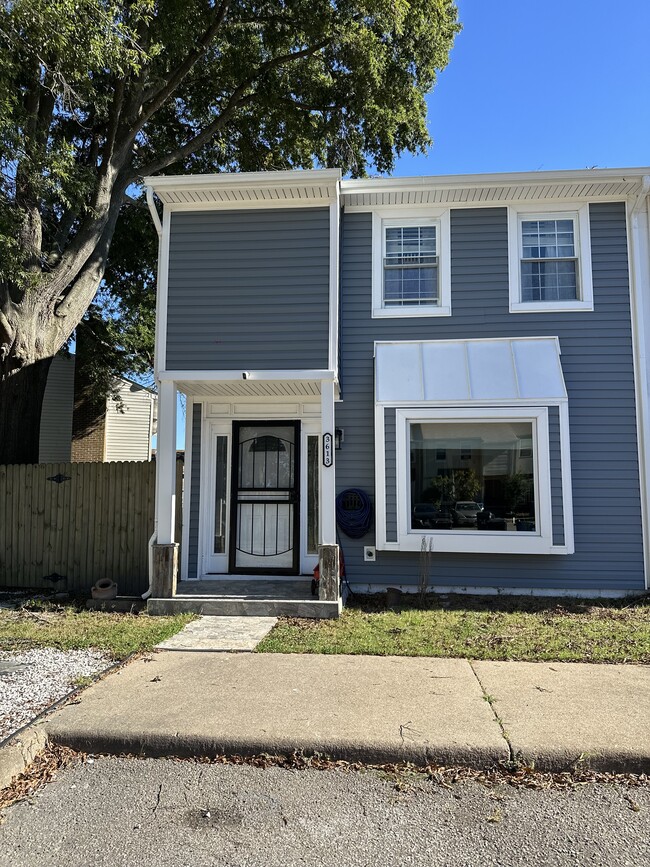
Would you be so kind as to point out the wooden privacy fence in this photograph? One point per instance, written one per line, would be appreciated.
(64, 526)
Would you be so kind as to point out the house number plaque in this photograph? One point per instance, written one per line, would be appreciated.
(328, 446)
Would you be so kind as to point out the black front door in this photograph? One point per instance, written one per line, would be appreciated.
(265, 498)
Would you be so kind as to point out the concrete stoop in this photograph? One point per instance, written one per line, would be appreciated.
(229, 607)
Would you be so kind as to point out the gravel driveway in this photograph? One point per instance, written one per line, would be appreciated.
(32, 680)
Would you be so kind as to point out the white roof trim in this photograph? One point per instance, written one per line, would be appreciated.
(297, 187)
(470, 371)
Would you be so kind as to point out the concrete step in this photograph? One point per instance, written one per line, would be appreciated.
(228, 607)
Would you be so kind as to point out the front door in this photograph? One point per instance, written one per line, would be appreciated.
(265, 508)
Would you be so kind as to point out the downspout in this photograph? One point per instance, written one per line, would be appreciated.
(156, 221)
(639, 261)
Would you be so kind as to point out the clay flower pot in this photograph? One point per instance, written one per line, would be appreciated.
(104, 589)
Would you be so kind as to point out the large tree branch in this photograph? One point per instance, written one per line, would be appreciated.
(200, 139)
(237, 100)
(153, 101)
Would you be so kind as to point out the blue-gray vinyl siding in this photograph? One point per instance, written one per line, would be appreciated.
(248, 290)
(195, 495)
(598, 369)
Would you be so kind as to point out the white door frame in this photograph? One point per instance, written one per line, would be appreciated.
(210, 564)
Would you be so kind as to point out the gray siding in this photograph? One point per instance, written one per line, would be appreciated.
(248, 289)
(56, 413)
(598, 369)
(195, 495)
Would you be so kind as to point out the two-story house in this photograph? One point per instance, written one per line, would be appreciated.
(462, 357)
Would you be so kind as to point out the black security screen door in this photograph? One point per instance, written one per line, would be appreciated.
(265, 498)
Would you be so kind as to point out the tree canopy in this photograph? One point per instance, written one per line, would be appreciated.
(94, 94)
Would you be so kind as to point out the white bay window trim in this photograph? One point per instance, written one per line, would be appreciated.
(411, 217)
(582, 243)
(470, 541)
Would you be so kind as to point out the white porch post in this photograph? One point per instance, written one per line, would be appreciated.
(328, 474)
(166, 464)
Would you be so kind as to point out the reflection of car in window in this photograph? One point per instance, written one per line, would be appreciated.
(464, 513)
(426, 515)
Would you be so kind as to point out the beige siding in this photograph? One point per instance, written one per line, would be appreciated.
(56, 414)
(128, 431)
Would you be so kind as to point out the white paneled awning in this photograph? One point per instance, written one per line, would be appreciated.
(459, 371)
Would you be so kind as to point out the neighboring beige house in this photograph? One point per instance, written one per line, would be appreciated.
(75, 428)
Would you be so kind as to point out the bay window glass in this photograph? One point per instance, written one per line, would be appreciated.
(472, 476)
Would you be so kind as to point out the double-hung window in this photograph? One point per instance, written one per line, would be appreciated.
(411, 273)
(550, 260)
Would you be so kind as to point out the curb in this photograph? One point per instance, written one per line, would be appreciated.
(161, 745)
(20, 751)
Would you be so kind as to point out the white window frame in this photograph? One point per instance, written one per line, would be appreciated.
(582, 240)
(471, 541)
(411, 217)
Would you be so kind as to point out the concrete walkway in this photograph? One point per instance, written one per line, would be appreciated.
(220, 634)
(374, 709)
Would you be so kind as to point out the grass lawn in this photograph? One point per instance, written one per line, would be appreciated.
(477, 627)
(69, 628)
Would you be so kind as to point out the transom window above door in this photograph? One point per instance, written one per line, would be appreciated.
(550, 260)
(411, 268)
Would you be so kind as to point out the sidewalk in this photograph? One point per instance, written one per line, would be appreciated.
(372, 709)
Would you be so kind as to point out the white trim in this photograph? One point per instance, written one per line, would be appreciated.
(308, 428)
(209, 561)
(229, 375)
(582, 236)
(242, 180)
(638, 233)
(562, 202)
(160, 347)
(420, 182)
(567, 478)
(327, 520)
(335, 230)
(540, 542)
(438, 217)
(166, 464)
(380, 478)
(187, 492)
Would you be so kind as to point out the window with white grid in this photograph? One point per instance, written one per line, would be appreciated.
(549, 265)
(410, 265)
(550, 259)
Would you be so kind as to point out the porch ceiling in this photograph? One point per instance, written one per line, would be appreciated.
(251, 388)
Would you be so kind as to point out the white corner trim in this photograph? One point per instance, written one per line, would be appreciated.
(160, 349)
(335, 232)
(439, 217)
(567, 478)
(380, 479)
(638, 233)
(187, 492)
(557, 210)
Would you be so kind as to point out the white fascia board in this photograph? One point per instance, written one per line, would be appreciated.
(379, 185)
(230, 375)
(243, 180)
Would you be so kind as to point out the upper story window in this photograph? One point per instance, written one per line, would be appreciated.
(550, 260)
(411, 267)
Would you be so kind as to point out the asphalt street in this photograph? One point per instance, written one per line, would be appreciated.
(163, 813)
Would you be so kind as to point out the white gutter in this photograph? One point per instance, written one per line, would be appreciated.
(153, 211)
(638, 221)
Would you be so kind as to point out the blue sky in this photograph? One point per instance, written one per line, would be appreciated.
(530, 86)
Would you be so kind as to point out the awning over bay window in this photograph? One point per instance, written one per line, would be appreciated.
(456, 371)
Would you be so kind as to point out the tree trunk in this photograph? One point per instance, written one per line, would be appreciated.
(21, 400)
